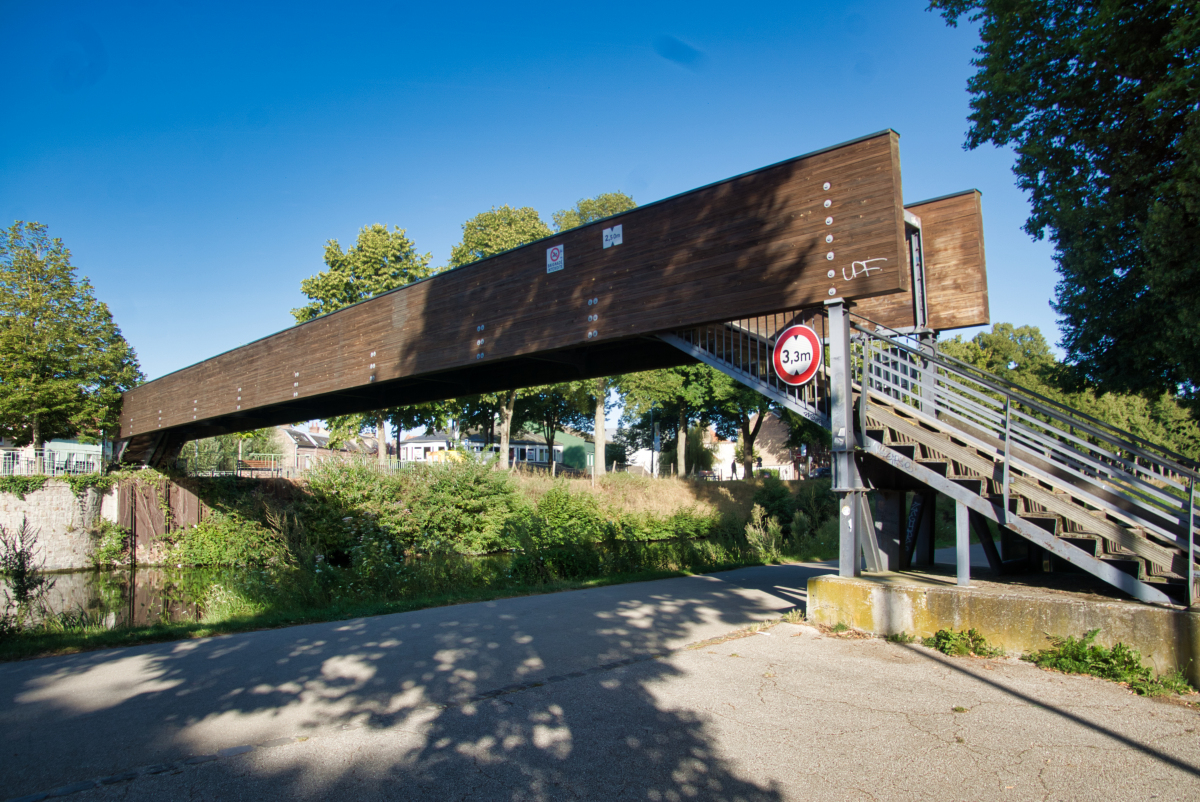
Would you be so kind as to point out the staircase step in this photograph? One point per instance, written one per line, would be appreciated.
(939, 467)
(1091, 545)
(970, 483)
(1134, 567)
(1047, 522)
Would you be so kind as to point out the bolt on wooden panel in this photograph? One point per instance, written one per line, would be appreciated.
(793, 234)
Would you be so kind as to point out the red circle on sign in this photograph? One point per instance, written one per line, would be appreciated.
(797, 355)
(555, 253)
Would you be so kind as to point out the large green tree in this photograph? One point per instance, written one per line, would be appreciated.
(1100, 99)
(380, 260)
(553, 407)
(497, 230)
(589, 210)
(63, 361)
(738, 411)
(683, 396)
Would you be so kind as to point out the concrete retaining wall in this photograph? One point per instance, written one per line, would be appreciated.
(61, 521)
(1015, 618)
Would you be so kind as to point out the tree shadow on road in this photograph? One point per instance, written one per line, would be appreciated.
(528, 698)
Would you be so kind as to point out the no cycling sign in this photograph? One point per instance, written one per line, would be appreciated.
(797, 356)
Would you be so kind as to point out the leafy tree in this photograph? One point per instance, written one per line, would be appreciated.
(1101, 102)
(495, 231)
(589, 210)
(737, 411)
(381, 260)
(683, 395)
(554, 407)
(63, 361)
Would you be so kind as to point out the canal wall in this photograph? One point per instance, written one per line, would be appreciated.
(61, 520)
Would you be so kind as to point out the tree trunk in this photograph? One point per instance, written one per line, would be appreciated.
(681, 443)
(381, 436)
(550, 453)
(748, 436)
(506, 414)
(599, 436)
(37, 433)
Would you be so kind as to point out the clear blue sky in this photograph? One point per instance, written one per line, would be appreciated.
(196, 156)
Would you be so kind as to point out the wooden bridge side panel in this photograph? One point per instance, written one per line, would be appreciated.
(955, 269)
(747, 246)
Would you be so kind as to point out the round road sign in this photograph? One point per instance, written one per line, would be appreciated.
(797, 356)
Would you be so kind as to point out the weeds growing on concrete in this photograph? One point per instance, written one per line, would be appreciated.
(901, 637)
(793, 616)
(839, 627)
(1121, 663)
(970, 643)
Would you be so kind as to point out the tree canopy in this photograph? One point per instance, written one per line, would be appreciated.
(497, 230)
(1100, 101)
(379, 261)
(63, 361)
(589, 210)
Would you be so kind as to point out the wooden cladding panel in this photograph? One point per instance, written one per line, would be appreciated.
(750, 245)
(955, 270)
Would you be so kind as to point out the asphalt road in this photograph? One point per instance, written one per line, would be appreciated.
(609, 693)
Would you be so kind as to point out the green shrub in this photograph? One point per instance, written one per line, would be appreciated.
(775, 499)
(817, 504)
(962, 644)
(764, 536)
(111, 543)
(1121, 663)
(822, 544)
(561, 517)
(227, 539)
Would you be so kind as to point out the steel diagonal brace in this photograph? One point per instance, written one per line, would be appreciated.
(747, 379)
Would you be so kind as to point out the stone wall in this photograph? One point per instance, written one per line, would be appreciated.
(60, 520)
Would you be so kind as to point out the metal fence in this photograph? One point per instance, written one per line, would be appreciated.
(48, 462)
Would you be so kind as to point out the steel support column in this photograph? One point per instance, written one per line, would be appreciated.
(846, 481)
(962, 540)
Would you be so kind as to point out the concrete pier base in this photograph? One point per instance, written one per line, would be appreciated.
(1015, 618)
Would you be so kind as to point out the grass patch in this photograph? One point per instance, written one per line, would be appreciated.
(1121, 664)
(970, 643)
(79, 633)
(901, 637)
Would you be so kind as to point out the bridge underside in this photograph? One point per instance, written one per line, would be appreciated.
(567, 364)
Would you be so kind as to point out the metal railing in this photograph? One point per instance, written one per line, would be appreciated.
(1128, 477)
(742, 349)
(49, 462)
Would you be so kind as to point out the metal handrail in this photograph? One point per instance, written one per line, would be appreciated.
(1111, 464)
(1048, 406)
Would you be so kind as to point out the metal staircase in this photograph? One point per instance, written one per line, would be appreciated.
(1080, 492)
